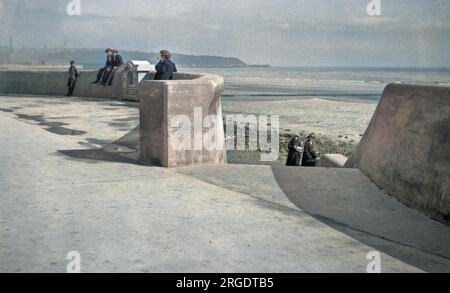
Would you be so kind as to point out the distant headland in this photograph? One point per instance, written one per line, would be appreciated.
(92, 58)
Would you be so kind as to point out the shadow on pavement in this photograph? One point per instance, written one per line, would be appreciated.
(123, 150)
(99, 155)
(346, 200)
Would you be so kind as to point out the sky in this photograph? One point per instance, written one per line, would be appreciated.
(276, 32)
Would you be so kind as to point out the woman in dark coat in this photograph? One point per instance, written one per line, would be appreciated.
(295, 152)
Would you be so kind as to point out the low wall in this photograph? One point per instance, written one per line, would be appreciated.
(406, 148)
(55, 83)
(172, 126)
(193, 97)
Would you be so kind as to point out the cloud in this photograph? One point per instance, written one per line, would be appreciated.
(281, 32)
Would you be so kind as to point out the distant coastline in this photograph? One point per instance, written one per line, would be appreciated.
(92, 58)
(258, 65)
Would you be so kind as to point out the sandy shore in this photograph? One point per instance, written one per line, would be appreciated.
(337, 120)
(338, 125)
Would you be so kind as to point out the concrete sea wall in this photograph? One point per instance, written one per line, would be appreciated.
(406, 148)
(161, 102)
(55, 83)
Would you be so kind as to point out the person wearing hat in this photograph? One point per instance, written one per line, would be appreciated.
(107, 67)
(116, 62)
(310, 155)
(73, 75)
(165, 67)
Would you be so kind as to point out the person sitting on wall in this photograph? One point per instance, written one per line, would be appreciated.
(165, 67)
(295, 152)
(310, 155)
(73, 76)
(107, 66)
(116, 63)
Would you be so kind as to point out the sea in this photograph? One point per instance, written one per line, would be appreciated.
(355, 84)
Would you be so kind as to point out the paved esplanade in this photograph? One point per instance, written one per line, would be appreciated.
(130, 218)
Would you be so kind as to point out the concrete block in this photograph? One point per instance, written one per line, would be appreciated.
(332, 161)
(406, 148)
(173, 120)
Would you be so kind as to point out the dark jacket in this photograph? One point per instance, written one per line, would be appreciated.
(117, 61)
(310, 154)
(109, 61)
(165, 70)
(73, 72)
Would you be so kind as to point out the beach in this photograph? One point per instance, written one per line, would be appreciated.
(345, 121)
(336, 104)
(338, 125)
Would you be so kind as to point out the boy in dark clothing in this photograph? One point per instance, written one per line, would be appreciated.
(165, 68)
(73, 75)
(107, 66)
(116, 62)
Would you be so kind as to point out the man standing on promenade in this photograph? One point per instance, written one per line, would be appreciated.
(73, 75)
(165, 68)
